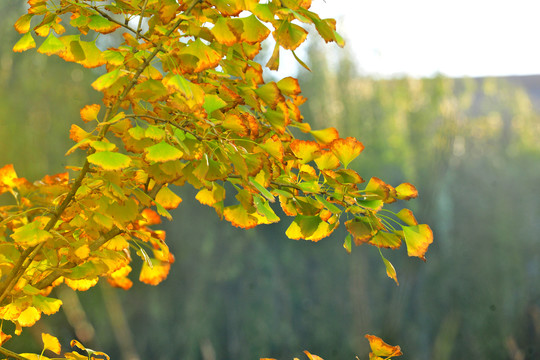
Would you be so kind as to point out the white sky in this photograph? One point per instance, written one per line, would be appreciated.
(426, 37)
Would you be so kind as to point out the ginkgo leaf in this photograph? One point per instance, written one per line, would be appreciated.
(167, 198)
(93, 56)
(309, 228)
(238, 216)
(417, 239)
(51, 45)
(100, 24)
(346, 149)
(270, 94)
(390, 270)
(155, 273)
(305, 151)
(116, 243)
(29, 317)
(90, 112)
(197, 56)
(25, 42)
(312, 356)
(325, 136)
(51, 343)
(407, 217)
(289, 35)
(106, 80)
(386, 240)
(327, 160)
(273, 62)
(213, 103)
(46, 305)
(162, 152)
(210, 197)
(406, 191)
(223, 33)
(361, 230)
(30, 234)
(381, 349)
(22, 25)
(109, 160)
(289, 86)
(4, 338)
(81, 284)
(253, 30)
(8, 178)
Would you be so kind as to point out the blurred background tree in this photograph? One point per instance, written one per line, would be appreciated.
(472, 148)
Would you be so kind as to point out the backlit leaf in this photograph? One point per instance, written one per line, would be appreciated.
(381, 349)
(81, 284)
(29, 317)
(106, 80)
(407, 217)
(390, 270)
(51, 45)
(22, 25)
(46, 305)
(93, 57)
(102, 25)
(417, 239)
(30, 234)
(51, 343)
(289, 86)
(305, 151)
(346, 149)
(197, 56)
(239, 217)
(25, 42)
(213, 103)
(162, 152)
(386, 240)
(110, 160)
(361, 230)
(312, 356)
(406, 191)
(289, 35)
(167, 198)
(308, 228)
(90, 112)
(155, 273)
(325, 136)
(223, 33)
(253, 30)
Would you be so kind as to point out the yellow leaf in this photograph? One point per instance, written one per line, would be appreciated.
(29, 317)
(168, 199)
(311, 356)
(82, 284)
(154, 274)
(346, 149)
(51, 343)
(90, 112)
(116, 243)
(4, 338)
(418, 238)
(239, 217)
(382, 349)
(305, 151)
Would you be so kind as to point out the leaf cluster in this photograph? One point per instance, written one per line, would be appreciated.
(184, 102)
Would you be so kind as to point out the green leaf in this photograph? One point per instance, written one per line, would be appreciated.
(333, 208)
(109, 160)
(262, 189)
(347, 243)
(30, 234)
(51, 45)
(213, 103)
(162, 152)
(106, 80)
